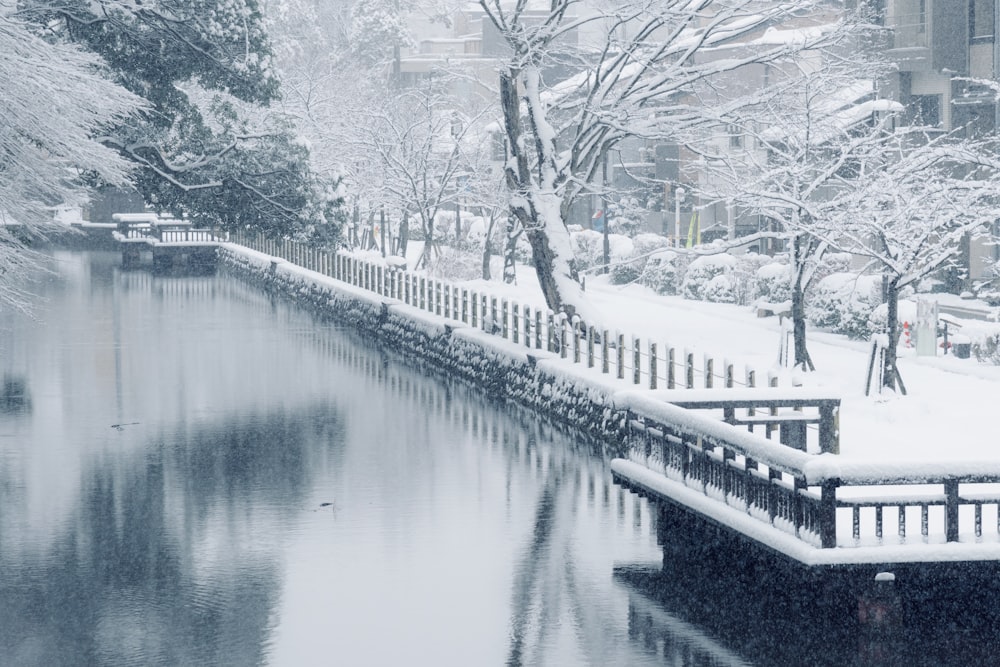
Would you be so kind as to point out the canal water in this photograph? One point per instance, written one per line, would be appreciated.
(195, 473)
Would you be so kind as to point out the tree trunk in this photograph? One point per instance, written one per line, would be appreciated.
(534, 198)
(488, 247)
(889, 364)
(510, 246)
(802, 358)
(404, 234)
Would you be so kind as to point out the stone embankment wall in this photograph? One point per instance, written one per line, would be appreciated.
(536, 379)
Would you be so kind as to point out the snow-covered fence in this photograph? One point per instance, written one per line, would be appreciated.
(630, 358)
(904, 512)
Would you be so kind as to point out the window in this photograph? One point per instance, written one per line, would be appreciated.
(925, 110)
(981, 19)
(735, 136)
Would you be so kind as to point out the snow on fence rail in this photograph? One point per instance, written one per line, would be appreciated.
(627, 357)
(817, 500)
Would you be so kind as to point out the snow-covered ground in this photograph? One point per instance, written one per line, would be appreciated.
(947, 414)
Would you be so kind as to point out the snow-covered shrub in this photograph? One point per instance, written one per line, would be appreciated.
(906, 311)
(621, 252)
(719, 289)
(456, 265)
(843, 302)
(626, 216)
(700, 273)
(830, 263)
(772, 283)
(631, 268)
(588, 248)
(662, 272)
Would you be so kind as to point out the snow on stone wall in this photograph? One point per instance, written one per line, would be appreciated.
(504, 370)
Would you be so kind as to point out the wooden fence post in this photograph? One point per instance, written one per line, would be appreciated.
(605, 352)
(515, 323)
(689, 369)
(636, 361)
(828, 513)
(951, 510)
(538, 328)
(620, 355)
(671, 368)
(709, 373)
(591, 335)
(562, 335)
(652, 365)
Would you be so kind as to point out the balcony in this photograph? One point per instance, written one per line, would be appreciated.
(911, 43)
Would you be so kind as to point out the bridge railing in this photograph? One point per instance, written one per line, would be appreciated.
(175, 231)
(825, 502)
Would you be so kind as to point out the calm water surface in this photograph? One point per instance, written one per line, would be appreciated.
(192, 473)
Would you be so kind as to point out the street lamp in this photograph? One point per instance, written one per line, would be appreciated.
(679, 193)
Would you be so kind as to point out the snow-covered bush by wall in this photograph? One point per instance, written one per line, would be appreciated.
(455, 265)
(620, 255)
(662, 271)
(630, 267)
(588, 248)
(626, 216)
(702, 272)
(906, 312)
(720, 289)
(985, 340)
(772, 283)
(843, 303)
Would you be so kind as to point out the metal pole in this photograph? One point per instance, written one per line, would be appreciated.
(678, 198)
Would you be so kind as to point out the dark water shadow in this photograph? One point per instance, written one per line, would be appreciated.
(718, 600)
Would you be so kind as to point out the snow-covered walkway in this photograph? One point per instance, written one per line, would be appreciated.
(947, 416)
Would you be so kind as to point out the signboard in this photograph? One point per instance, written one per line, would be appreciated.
(925, 328)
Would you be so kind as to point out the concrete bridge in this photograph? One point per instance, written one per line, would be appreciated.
(166, 242)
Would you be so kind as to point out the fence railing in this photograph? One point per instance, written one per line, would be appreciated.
(174, 232)
(840, 506)
(639, 361)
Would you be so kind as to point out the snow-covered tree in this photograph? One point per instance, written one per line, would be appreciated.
(789, 150)
(207, 149)
(411, 151)
(644, 58)
(917, 207)
(55, 105)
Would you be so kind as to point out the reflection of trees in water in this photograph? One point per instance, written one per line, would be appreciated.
(14, 394)
(162, 563)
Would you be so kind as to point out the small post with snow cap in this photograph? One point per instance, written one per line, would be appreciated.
(828, 513)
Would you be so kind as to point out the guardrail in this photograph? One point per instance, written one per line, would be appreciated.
(641, 362)
(823, 501)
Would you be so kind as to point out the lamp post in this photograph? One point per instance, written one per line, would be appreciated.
(678, 198)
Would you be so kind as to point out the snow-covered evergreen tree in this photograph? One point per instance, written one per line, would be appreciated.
(55, 105)
(207, 149)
